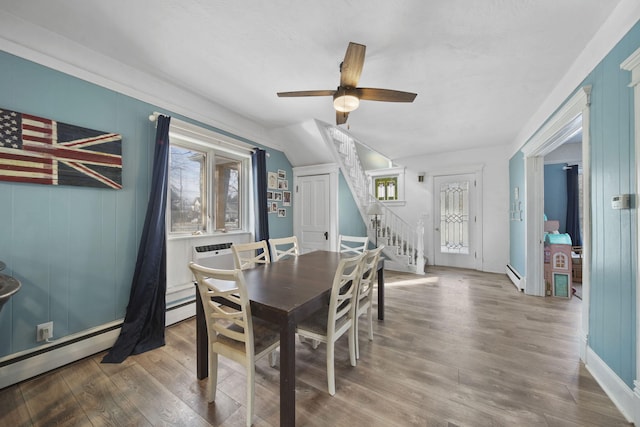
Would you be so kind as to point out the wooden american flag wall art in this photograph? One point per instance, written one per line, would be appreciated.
(42, 151)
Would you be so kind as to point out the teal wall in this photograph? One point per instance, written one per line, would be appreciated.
(555, 194)
(279, 226)
(516, 227)
(612, 315)
(350, 222)
(73, 248)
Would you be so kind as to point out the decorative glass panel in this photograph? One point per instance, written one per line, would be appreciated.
(454, 218)
(386, 188)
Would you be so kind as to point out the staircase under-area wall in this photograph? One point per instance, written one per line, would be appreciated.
(404, 243)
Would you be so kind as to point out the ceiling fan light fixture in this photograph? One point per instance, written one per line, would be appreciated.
(346, 103)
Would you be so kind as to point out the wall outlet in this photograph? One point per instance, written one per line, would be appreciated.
(44, 331)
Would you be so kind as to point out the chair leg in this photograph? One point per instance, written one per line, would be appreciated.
(355, 336)
(273, 358)
(212, 382)
(251, 373)
(331, 377)
(370, 314)
(352, 347)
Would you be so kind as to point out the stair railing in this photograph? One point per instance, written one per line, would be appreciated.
(404, 243)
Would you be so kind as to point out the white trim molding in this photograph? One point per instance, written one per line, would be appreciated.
(620, 393)
(632, 64)
(572, 117)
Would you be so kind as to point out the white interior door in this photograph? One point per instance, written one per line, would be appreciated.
(455, 220)
(314, 207)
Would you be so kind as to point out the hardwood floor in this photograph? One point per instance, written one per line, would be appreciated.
(457, 348)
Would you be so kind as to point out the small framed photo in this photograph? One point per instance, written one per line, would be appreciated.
(282, 213)
(274, 207)
(272, 180)
(282, 174)
(286, 198)
(269, 195)
(283, 184)
(277, 195)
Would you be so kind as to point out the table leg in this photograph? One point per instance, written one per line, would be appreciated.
(288, 374)
(202, 341)
(381, 294)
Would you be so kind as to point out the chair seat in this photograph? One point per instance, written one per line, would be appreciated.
(265, 335)
(317, 322)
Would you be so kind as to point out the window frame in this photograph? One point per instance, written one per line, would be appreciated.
(213, 144)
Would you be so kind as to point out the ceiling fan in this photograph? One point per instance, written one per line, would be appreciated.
(347, 96)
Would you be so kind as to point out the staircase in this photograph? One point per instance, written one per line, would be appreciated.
(404, 243)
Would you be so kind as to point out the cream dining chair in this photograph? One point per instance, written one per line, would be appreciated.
(245, 254)
(233, 332)
(352, 245)
(333, 321)
(284, 247)
(368, 279)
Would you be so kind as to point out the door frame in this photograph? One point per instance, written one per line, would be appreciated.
(332, 170)
(565, 122)
(477, 172)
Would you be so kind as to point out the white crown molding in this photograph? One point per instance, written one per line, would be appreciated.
(632, 63)
(621, 20)
(36, 44)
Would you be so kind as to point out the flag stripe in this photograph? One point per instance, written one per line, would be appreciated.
(70, 154)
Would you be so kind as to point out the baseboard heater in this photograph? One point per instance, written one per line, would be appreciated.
(30, 363)
(515, 277)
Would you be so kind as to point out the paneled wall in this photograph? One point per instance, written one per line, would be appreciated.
(74, 249)
(614, 238)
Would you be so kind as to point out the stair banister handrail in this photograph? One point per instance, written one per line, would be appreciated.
(394, 229)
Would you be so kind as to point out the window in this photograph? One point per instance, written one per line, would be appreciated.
(187, 189)
(387, 185)
(207, 183)
(386, 188)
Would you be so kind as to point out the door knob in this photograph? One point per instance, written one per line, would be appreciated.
(326, 235)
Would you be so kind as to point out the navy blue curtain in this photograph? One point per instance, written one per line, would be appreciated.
(259, 168)
(144, 322)
(573, 206)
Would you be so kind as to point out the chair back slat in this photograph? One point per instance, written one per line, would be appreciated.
(353, 245)
(344, 290)
(247, 255)
(225, 301)
(284, 247)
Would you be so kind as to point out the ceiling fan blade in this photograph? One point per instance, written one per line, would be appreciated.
(341, 118)
(307, 93)
(351, 67)
(387, 95)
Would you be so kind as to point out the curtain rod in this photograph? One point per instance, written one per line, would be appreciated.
(154, 117)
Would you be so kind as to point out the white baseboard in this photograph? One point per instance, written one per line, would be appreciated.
(28, 364)
(515, 277)
(620, 394)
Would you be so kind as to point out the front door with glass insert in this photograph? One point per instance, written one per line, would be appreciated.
(455, 220)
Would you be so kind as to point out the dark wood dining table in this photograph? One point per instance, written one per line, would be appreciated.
(285, 292)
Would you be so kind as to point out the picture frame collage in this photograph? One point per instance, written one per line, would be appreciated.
(278, 193)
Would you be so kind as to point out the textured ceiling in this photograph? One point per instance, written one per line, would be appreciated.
(480, 68)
